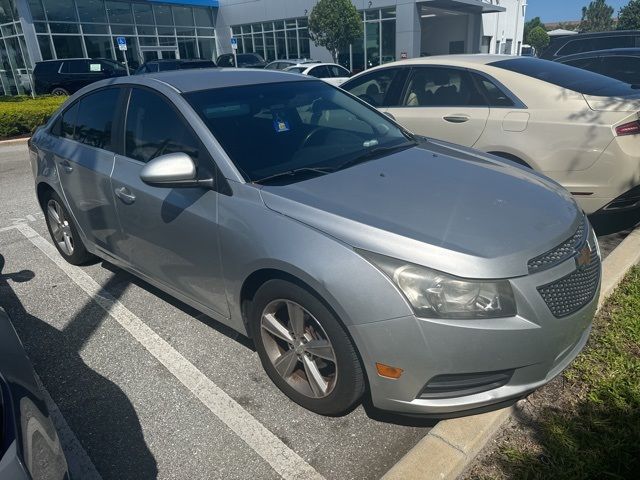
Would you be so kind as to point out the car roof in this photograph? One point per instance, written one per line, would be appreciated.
(609, 33)
(467, 59)
(206, 78)
(601, 53)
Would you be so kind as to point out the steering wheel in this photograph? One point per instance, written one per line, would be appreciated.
(311, 135)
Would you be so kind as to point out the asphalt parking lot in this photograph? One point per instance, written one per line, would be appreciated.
(147, 387)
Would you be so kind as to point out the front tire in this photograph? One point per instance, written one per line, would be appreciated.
(304, 349)
(63, 230)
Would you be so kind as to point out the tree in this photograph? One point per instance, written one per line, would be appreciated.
(334, 24)
(597, 17)
(629, 17)
(529, 26)
(539, 39)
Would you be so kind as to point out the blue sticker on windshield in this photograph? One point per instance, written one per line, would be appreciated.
(280, 125)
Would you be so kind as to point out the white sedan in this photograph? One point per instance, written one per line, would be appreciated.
(577, 127)
(329, 72)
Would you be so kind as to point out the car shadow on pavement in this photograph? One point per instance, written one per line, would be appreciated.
(97, 410)
(124, 279)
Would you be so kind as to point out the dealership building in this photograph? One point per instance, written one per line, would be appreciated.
(35, 30)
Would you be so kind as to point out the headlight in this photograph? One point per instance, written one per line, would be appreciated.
(438, 295)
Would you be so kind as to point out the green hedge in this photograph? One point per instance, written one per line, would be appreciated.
(22, 115)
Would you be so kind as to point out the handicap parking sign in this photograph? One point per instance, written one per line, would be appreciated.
(122, 43)
(234, 43)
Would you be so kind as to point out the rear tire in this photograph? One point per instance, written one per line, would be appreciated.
(59, 91)
(310, 359)
(63, 230)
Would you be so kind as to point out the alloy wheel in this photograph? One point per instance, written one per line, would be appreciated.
(60, 228)
(299, 348)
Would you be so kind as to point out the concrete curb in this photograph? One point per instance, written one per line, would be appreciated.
(14, 141)
(450, 447)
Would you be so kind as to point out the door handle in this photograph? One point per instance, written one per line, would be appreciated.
(456, 118)
(66, 166)
(125, 195)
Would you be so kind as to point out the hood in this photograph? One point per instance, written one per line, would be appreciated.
(452, 209)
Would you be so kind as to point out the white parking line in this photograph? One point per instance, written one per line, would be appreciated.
(287, 463)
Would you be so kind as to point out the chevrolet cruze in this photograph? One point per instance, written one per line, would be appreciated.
(357, 256)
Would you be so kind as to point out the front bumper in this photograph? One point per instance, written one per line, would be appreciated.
(532, 348)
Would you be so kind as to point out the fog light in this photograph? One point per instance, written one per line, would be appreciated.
(388, 371)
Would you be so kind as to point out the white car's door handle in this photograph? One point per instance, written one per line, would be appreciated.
(456, 118)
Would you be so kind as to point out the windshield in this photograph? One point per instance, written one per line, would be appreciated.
(269, 129)
(565, 76)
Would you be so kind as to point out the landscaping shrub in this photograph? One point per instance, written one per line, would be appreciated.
(22, 115)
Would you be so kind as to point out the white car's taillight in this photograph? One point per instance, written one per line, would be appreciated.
(631, 128)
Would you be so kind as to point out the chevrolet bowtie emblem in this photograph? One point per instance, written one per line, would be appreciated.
(583, 258)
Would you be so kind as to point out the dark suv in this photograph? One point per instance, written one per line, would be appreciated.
(589, 42)
(173, 64)
(66, 76)
(245, 60)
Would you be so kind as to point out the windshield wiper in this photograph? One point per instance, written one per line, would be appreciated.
(374, 153)
(294, 172)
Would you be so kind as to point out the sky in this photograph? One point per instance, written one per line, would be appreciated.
(560, 10)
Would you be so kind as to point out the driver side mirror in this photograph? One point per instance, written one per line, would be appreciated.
(173, 170)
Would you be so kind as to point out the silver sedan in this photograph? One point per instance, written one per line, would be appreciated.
(356, 255)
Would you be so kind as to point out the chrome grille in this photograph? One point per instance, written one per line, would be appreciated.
(562, 252)
(571, 293)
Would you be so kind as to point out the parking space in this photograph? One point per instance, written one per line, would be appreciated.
(150, 387)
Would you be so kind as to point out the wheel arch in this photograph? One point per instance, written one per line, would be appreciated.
(512, 157)
(41, 189)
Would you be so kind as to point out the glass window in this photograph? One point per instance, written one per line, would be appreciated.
(338, 71)
(591, 63)
(143, 14)
(91, 28)
(68, 122)
(625, 69)
(44, 43)
(37, 12)
(207, 48)
(571, 78)
(68, 46)
(163, 14)
(388, 12)
(388, 41)
(183, 15)
(40, 27)
(372, 39)
(95, 118)
(320, 72)
(98, 47)
(119, 12)
(92, 11)
(598, 43)
(75, 66)
(60, 10)
(305, 49)
(64, 28)
(495, 95)
(146, 30)
(123, 30)
(372, 15)
(153, 128)
(206, 32)
(203, 16)
(292, 44)
(373, 87)
(185, 32)
(441, 87)
(166, 31)
(148, 41)
(187, 47)
(293, 125)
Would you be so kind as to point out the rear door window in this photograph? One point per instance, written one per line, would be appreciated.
(95, 118)
(76, 66)
(154, 128)
(65, 125)
(320, 72)
(565, 76)
(590, 63)
(338, 71)
(441, 87)
(494, 94)
(373, 87)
